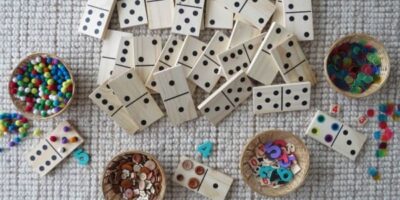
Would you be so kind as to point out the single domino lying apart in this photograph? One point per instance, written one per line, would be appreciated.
(202, 179)
(53, 148)
(336, 135)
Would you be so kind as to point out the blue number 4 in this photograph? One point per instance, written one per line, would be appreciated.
(205, 149)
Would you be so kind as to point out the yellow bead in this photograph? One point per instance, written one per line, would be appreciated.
(18, 123)
(37, 132)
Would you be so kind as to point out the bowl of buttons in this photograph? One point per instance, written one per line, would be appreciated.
(134, 175)
(41, 86)
(274, 163)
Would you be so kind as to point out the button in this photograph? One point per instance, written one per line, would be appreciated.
(187, 164)
(193, 183)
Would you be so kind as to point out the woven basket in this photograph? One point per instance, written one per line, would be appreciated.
(20, 105)
(385, 66)
(302, 155)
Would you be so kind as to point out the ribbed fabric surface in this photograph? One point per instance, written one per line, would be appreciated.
(51, 26)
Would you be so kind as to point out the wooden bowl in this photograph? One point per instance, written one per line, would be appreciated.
(20, 105)
(302, 155)
(385, 64)
(107, 186)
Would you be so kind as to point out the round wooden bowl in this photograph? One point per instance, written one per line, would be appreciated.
(107, 186)
(302, 155)
(20, 105)
(385, 66)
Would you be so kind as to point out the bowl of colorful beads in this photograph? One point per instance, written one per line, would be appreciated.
(357, 65)
(274, 163)
(134, 175)
(41, 86)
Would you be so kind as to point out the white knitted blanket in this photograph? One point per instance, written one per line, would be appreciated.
(51, 26)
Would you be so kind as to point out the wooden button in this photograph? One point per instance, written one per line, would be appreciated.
(193, 183)
(199, 170)
(187, 164)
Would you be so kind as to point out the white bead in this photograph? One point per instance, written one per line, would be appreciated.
(38, 59)
(20, 88)
(35, 111)
(37, 100)
(22, 98)
(27, 90)
(14, 80)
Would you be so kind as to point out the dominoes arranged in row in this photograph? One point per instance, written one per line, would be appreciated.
(174, 69)
(189, 17)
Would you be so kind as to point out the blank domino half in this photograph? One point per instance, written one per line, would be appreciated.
(202, 179)
(53, 148)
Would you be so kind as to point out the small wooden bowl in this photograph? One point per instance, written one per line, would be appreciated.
(20, 105)
(385, 66)
(107, 187)
(302, 155)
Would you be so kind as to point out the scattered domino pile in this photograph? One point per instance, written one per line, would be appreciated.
(242, 62)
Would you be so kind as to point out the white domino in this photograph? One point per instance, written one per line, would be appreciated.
(298, 18)
(46, 155)
(217, 16)
(160, 13)
(167, 59)
(141, 106)
(175, 94)
(281, 98)
(336, 135)
(226, 98)
(202, 179)
(109, 53)
(239, 57)
(291, 61)
(188, 17)
(263, 68)
(257, 13)
(131, 13)
(96, 17)
(242, 32)
(206, 71)
(104, 98)
(191, 51)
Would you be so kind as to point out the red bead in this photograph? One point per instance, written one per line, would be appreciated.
(28, 109)
(13, 91)
(370, 113)
(24, 120)
(53, 138)
(382, 125)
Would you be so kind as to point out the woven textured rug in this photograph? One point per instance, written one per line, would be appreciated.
(51, 26)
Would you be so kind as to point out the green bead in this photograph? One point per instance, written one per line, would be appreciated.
(23, 135)
(48, 102)
(26, 125)
(68, 95)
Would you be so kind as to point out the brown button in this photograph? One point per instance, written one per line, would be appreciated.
(127, 166)
(193, 183)
(137, 158)
(180, 177)
(199, 170)
(145, 170)
(187, 164)
(126, 184)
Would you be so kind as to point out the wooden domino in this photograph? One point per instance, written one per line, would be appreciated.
(191, 51)
(167, 59)
(242, 32)
(336, 135)
(206, 71)
(131, 13)
(188, 17)
(104, 98)
(160, 13)
(291, 61)
(298, 17)
(239, 57)
(147, 49)
(263, 68)
(281, 98)
(278, 15)
(109, 53)
(96, 17)
(175, 94)
(257, 13)
(136, 98)
(53, 148)
(217, 16)
(202, 179)
(125, 59)
(226, 98)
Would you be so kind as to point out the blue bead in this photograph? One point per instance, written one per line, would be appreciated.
(382, 118)
(372, 171)
(377, 135)
(382, 107)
